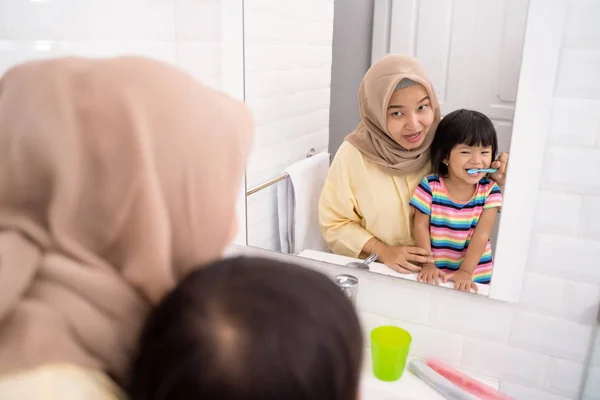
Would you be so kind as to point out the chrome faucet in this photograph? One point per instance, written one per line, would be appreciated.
(349, 285)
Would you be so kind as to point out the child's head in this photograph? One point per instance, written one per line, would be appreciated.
(250, 328)
(464, 139)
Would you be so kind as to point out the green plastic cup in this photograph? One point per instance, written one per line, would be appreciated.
(389, 350)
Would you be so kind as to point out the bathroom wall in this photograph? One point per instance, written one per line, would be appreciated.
(181, 32)
(288, 47)
(538, 348)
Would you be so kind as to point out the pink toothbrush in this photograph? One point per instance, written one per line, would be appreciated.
(471, 385)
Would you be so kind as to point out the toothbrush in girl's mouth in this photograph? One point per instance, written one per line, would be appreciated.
(474, 171)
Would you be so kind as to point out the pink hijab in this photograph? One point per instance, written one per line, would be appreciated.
(117, 177)
(371, 136)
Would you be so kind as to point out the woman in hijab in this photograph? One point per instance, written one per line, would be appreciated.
(364, 207)
(117, 177)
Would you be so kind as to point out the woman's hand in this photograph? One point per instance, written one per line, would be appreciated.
(430, 274)
(462, 281)
(502, 164)
(402, 258)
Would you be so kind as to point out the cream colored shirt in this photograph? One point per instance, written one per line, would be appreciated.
(64, 382)
(360, 200)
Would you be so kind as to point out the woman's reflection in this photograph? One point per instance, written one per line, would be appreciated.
(365, 204)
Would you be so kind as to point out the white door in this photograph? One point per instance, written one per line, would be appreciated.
(471, 50)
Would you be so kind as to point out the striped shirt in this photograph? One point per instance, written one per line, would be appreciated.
(452, 222)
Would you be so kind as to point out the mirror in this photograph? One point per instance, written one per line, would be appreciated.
(304, 62)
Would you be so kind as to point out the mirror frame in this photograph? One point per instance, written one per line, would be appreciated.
(533, 108)
(233, 83)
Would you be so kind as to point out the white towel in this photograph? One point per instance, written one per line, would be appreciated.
(298, 205)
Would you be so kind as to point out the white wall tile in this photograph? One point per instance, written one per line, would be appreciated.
(52, 20)
(470, 315)
(581, 27)
(283, 82)
(436, 343)
(202, 59)
(259, 57)
(262, 223)
(112, 20)
(577, 74)
(404, 302)
(557, 212)
(581, 302)
(565, 257)
(521, 392)
(565, 169)
(591, 217)
(505, 362)
(309, 10)
(198, 20)
(542, 293)
(276, 110)
(370, 321)
(564, 377)
(551, 336)
(574, 122)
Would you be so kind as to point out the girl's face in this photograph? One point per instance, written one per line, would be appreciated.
(463, 158)
(409, 116)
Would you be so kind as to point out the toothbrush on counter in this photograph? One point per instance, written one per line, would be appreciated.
(465, 382)
(474, 171)
(442, 385)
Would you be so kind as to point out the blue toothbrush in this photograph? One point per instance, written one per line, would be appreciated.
(474, 171)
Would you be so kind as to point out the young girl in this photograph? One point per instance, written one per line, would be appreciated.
(250, 329)
(456, 210)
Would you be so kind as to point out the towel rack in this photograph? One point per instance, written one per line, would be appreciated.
(279, 178)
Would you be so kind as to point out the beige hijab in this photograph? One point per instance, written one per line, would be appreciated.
(371, 137)
(117, 177)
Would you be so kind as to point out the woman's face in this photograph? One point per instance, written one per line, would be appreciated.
(409, 116)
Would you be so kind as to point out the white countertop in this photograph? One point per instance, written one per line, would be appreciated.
(409, 386)
(378, 268)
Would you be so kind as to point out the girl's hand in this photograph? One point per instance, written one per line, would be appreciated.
(502, 164)
(431, 274)
(401, 258)
(462, 281)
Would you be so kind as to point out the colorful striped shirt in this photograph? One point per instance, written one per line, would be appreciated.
(452, 222)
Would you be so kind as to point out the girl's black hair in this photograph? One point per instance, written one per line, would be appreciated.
(248, 329)
(467, 127)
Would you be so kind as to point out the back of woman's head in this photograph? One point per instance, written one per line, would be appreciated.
(250, 328)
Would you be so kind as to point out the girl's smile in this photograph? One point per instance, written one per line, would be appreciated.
(463, 158)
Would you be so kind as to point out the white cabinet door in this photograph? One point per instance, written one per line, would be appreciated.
(471, 50)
